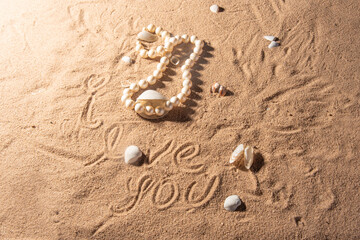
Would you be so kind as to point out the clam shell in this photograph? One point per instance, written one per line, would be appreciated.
(248, 157)
(215, 8)
(147, 37)
(237, 155)
(232, 203)
(154, 99)
(273, 44)
(132, 155)
(271, 38)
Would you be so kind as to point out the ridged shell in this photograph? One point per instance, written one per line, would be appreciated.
(132, 155)
(248, 157)
(237, 153)
(273, 44)
(147, 37)
(232, 203)
(151, 95)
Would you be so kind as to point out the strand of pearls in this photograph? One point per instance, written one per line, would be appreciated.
(165, 52)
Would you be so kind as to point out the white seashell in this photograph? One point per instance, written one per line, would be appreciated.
(147, 37)
(126, 60)
(248, 157)
(154, 100)
(237, 153)
(132, 155)
(273, 44)
(232, 203)
(271, 38)
(215, 8)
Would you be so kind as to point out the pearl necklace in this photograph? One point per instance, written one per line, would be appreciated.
(152, 104)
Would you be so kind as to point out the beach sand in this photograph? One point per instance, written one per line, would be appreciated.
(63, 129)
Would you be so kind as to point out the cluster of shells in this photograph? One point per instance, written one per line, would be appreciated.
(242, 157)
(218, 89)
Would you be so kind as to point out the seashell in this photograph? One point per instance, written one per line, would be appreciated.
(248, 157)
(126, 60)
(153, 99)
(219, 89)
(232, 202)
(271, 38)
(242, 157)
(273, 44)
(215, 88)
(132, 155)
(174, 60)
(147, 37)
(215, 8)
(222, 91)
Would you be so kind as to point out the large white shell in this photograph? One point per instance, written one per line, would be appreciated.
(270, 38)
(248, 157)
(132, 155)
(273, 44)
(232, 203)
(151, 95)
(236, 155)
(215, 8)
(147, 37)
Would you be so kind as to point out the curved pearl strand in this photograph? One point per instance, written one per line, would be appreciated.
(165, 53)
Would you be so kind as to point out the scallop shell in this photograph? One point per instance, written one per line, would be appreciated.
(147, 37)
(271, 38)
(215, 8)
(232, 203)
(154, 99)
(273, 44)
(133, 155)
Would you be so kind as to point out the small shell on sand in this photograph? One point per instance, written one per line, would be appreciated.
(271, 38)
(273, 44)
(219, 89)
(215, 8)
(147, 37)
(242, 157)
(126, 60)
(133, 155)
(232, 203)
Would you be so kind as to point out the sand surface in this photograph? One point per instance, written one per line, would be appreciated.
(63, 130)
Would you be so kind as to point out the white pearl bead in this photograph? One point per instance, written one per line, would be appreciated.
(161, 67)
(179, 39)
(199, 43)
(124, 98)
(149, 110)
(186, 90)
(193, 38)
(187, 83)
(160, 50)
(186, 74)
(143, 53)
(168, 106)
(151, 28)
(159, 111)
(173, 40)
(198, 50)
(139, 108)
(151, 53)
(189, 62)
(185, 67)
(129, 103)
(151, 80)
(143, 84)
(169, 46)
(168, 55)
(185, 38)
(139, 47)
(158, 30)
(164, 34)
(175, 101)
(182, 98)
(134, 87)
(167, 39)
(157, 74)
(127, 91)
(194, 56)
(164, 60)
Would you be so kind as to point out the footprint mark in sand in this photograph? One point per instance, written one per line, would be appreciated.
(112, 137)
(158, 191)
(187, 152)
(209, 191)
